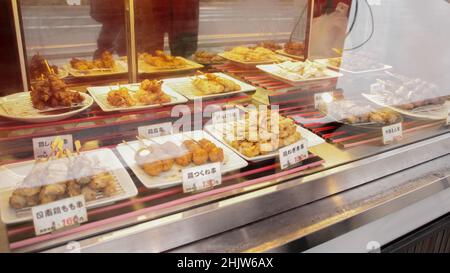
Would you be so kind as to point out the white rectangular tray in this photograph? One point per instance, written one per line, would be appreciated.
(326, 62)
(173, 177)
(185, 87)
(274, 70)
(15, 173)
(295, 57)
(312, 139)
(100, 94)
(121, 68)
(434, 113)
(146, 68)
(277, 58)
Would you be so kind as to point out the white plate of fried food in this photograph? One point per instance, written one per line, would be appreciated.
(158, 162)
(50, 100)
(105, 65)
(160, 62)
(208, 85)
(131, 97)
(353, 65)
(294, 50)
(259, 137)
(359, 114)
(207, 58)
(98, 175)
(412, 97)
(252, 56)
(296, 73)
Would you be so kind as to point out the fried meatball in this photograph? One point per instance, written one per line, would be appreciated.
(216, 155)
(153, 169)
(184, 160)
(199, 156)
(167, 164)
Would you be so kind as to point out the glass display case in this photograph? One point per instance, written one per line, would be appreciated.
(181, 125)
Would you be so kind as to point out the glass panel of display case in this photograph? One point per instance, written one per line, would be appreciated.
(79, 41)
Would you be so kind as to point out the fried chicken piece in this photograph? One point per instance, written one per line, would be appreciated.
(101, 180)
(73, 188)
(150, 92)
(45, 198)
(120, 98)
(27, 192)
(110, 190)
(162, 60)
(89, 193)
(105, 61)
(17, 201)
(53, 92)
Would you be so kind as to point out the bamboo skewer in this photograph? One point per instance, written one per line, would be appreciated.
(129, 146)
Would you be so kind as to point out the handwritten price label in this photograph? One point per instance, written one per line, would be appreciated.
(60, 214)
(321, 99)
(155, 130)
(392, 133)
(201, 177)
(293, 154)
(42, 145)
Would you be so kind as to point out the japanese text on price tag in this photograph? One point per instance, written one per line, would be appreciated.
(42, 146)
(60, 214)
(392, 133)
(155, 130)
(201, 177)
(226, 116)
(293, 154)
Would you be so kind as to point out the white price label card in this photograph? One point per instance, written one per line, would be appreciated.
(322, 98)
(202, 177)
(293, 154)
(155, 130)
(226, 116)
(392, 133)
(60, 214)
(42, 146)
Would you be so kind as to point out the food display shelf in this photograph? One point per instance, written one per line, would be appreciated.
(348, 136)
(278, 92)
(22, 235)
